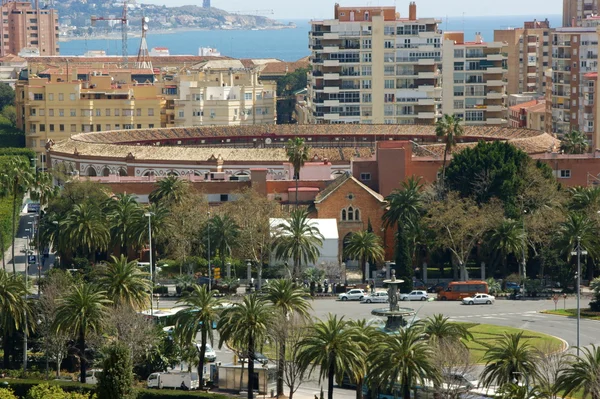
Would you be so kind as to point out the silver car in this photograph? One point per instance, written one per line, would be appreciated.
(479, 299)
(416, 295)
(377, 297)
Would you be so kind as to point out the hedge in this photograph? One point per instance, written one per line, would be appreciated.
(17, 151)
(172, 394)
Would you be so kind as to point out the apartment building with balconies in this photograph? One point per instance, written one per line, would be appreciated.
(529, 52)
(368, 65)
(57, 103)
(574, 54)
(474, 75)
(576, 11)
(226, 96)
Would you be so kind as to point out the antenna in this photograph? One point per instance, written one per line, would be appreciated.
(143, 58)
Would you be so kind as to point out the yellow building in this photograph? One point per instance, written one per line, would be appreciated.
(57, 103)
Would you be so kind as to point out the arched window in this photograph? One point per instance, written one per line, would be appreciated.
(122, 172)
(92, 172)
(357, 214)
(106, 171)
(350, 213)
(343, 214)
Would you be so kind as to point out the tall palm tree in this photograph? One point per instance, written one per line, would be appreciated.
(14, 309)
(224, 233)
(287, 300)
(124, 283)
(404, 358)
(509, 358)
(246, 324)
(578, 226)
(169, 190)
(368, 337)
(364, 245)
(202, 309)
(297, 152)
(584, 199)
(506, 238)
(81, 311)
(574, 142)
(405, 206)
(299, 240)
(86, 229)
(582, 374)
(449, 128)
(332, 345)
(16, 180)
(43, 189)
(160, 223)
(439, 328)
(124, 214)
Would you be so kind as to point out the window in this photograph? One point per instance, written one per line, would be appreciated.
(107, 112)
(73, 128)
(127, 112)
(51, 112)
(61, 128)
(61, 112)
(107, 127)
(61, 97)
(38, 97)
(181, 114)
(51, 127)
(365, 71)
(366, 43)
(248, 96)
(139, 126)
(51, 97)
(390, 84)
(366, 83)
(117, 112)
(350, 213)
(98, 112)
(388, 98)
(197, 97)
(138, 112)
(366, 57)
(72, 96)
(366, 98)
(86, 112)
(73, 112)
(564, 174)
(365, 176)
(42, 127)
(344, 217)
(150, 111)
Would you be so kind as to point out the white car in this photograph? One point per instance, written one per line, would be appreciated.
(415, 296)
(355, 294)
(377, 297)
(210, 355)
(479, 299)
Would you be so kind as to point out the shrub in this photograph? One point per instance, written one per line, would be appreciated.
(22, 387)
(46, 391)
(595, 286)
(7, 393)
(116, 380)
(154, 394)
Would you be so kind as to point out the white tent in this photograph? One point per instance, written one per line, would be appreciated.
(327, 228)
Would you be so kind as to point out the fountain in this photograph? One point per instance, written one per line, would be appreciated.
(396, 316)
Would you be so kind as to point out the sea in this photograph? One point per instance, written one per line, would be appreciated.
(284, 44)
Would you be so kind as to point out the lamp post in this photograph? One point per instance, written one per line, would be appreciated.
(524, 262)
(208, 238)
(578, 251)
(27, 251)
(149, 216)
(228, 270)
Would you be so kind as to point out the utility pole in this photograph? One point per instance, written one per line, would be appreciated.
(208, 237)
(578, 251)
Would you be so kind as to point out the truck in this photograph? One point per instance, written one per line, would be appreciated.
(174, 380)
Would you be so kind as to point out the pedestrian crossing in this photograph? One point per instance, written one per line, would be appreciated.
(501, 316)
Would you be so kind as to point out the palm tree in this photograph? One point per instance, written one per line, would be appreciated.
(299, 240)
(124, 214)
(582, 374)
(160, 224)
(578, 227)
(297, 152)
(43, 189)
(404, 358)
(575, 142)
(246, 324)
(405, 206)
(364, 245)
(124, 283)
(16, 180)
(86, 229)
(449, 129)
(333, 345)
(584, 198)
(438, 328)
(81, 311)
(509, 359)
(368, 338)
(287, 299)
(507, 238)
(224, 233)
(169, 190)
(202, 310)
(14, 309)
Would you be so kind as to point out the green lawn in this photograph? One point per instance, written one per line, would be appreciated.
(487, 334)
(585, 313)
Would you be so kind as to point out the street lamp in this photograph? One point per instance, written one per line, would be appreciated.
(55, 222)
(228, 270)
(149, 216)
(208, 239)
(578, 251)
(524, 262)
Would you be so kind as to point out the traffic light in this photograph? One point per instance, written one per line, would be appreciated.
(217, 273)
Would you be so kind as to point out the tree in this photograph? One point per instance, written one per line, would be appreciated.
(509, 359)
(297, 239)
(16, 179)
(449, 129)
(7, 95)
(403, 358)
(405, 208)
(14, 310)
(297, 152)
(245, 325)
(583, 199)
(452, 360)
(506, 238)
(116, 379)
(575, 142)
(224, 233)
(333, 345)
(202, 310)
(81, 311)
(296, 329)
(439, 328)
(169, 190)
(10, 113)
(288, 300)
(160, 224)
(86, 228)
(581, 375)
(578, 227)
(364, 246)
(123, 214)
(124, 283)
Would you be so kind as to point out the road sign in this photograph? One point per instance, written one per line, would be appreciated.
(31, 259)
(555, 298)
(33, 207)
(217, 273)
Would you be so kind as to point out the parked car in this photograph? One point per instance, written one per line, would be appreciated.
(415, 296)
(419, 285)
(92, 376)
(512, 286)
(258, 357)
(434, 289)
(209, 354)
(377, 297)
(355, 294)
(479, 299)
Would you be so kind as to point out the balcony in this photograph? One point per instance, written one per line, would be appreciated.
(426, 101)
(494, 70)
(331, 36)
(495, 108)
(331, 103)
(346, 86)
(588, 129)
(331, 76)
(495, 83)
(588, 102)
(496, 121)
(331, 63)
(331, 49)
(426, 61)
(426, 115)
(588, 117)
(427, 75)
(331, 117)
(495, 57)
(331, 89)
(492, 95)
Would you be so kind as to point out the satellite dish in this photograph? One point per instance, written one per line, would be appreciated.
(146, 19)
(145, 27)
(268, 140)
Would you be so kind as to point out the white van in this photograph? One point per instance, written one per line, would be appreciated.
(92, 376)
(174, 380)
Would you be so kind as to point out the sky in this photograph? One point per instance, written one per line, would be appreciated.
(319, 9)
